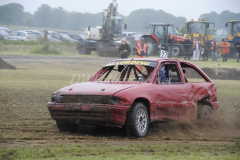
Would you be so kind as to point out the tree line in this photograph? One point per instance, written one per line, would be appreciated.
(59, 18)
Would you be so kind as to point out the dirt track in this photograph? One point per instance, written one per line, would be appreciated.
(41, 130)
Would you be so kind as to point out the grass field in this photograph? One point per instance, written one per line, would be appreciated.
(28, 132)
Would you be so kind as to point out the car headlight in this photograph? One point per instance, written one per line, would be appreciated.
(115, 100)
(57, 98)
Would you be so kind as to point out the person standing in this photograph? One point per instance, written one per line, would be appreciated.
(225, 49)
(187, 44)
(214, 49)
(196, 49)
(141, 51)
(206, 49)
(238, 50)
(170, 45)
(124, 49)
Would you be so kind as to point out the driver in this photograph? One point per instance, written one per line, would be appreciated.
(162, 73)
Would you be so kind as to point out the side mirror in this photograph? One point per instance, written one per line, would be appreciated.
(89, 28)
(226, 25)
(125, 26)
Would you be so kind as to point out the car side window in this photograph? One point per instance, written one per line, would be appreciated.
(76, 37)
(22, 34)
(168, 74)
(14, 34)
(192, 75)
(57, 36)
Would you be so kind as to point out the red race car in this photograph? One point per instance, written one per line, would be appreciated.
(135, 92)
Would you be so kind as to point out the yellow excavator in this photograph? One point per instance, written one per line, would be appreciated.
(233, 36)
(199, 29)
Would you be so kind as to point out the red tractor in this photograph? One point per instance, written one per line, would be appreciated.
(160, 33)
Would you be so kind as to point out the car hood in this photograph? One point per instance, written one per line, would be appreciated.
(95, 88)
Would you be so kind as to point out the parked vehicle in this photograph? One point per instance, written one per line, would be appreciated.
(135, 92)
(5, 36)
(129, 36)
(24, 36)
(62, 37)
(6, 29)
(77, 37)
(50, 38)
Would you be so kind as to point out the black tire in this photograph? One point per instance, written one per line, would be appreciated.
(204, 112)
(152, 45)
(131, 126)
(83, 49)
(177, 50)
(67, 126)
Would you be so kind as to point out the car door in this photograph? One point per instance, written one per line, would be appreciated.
(171, 94)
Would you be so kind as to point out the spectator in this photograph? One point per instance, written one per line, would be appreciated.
(214, 49)
(196, 50)
(170, 45)
(141, 51)
(187, 44)
(225, 49)
(238, 50)
(206, 49)
(124, 49)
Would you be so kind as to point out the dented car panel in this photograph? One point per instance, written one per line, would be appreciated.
(107, 101)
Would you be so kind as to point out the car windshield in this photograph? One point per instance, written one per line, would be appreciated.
(65, 36)
(3, 32)
(126, 71)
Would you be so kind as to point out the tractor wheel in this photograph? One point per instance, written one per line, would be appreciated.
(177, 50)
(152, 46)
(137, 121)
(204, 112)
(83, 49)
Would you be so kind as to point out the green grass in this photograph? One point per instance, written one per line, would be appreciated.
(132, 151)
(44, 49)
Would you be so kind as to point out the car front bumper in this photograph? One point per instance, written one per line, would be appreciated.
(101, 114)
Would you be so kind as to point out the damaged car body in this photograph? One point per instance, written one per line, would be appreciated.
(132, 93)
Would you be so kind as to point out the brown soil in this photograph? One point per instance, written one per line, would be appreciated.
(5, 65)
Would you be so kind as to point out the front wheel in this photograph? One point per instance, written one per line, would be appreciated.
(137, 121)
(83, 49)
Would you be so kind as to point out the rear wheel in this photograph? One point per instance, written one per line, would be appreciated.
(152, 45)
(137, 121)
(204, 112)
(67, 126)
(177, 50)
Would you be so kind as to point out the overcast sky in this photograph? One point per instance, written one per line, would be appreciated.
(185, 8)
